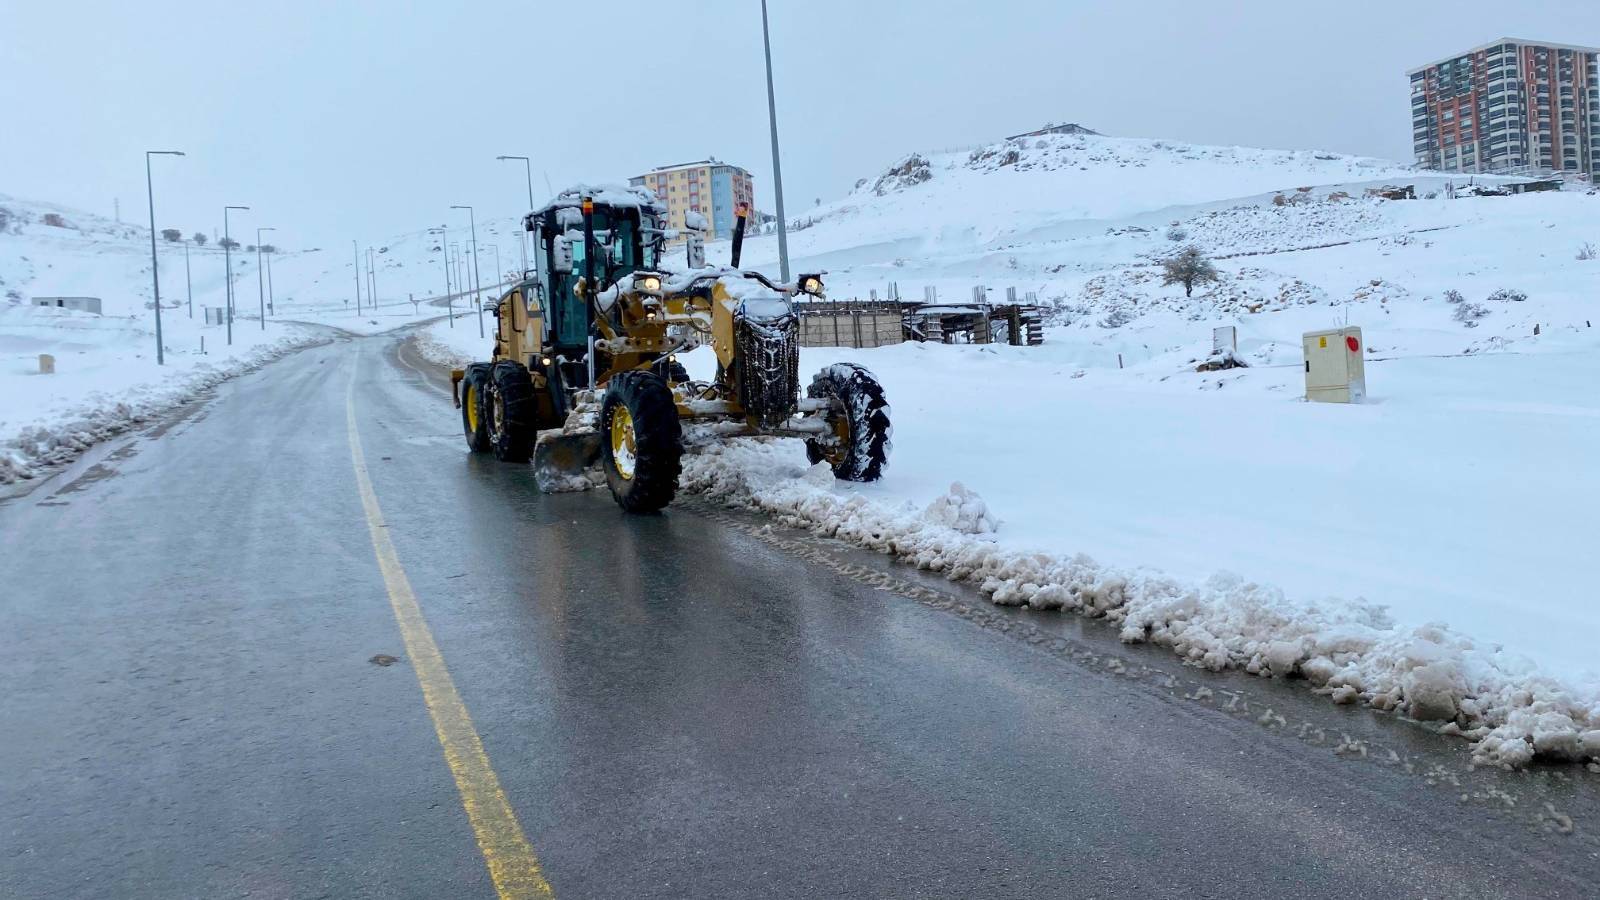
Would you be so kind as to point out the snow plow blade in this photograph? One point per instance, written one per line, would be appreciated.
(561, 461)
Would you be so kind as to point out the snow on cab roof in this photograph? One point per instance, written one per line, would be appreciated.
(621, 196)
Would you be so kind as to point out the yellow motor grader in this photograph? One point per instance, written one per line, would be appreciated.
(585, 368)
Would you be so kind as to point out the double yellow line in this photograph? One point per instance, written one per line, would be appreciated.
(511, 860)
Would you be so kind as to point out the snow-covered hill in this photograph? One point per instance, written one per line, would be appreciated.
(106, 374)
(1457, 495)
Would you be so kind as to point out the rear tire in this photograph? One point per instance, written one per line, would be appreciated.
(472, 420)
(860, 451)
(641, 441)
(511, 412)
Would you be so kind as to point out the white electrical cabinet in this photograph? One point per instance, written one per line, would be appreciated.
(1335, 372)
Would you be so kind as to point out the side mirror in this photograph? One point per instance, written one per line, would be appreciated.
(697, 251)
(562, 264)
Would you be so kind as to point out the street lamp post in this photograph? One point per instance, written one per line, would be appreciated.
(777, 168)
(357, 251)
(227, 257)
(188, 280)
(444, 253)
(372, 282)
(261, 297)
(477, 281)
(271, 309)
(527, 168)
(155, 274)
(499, 273)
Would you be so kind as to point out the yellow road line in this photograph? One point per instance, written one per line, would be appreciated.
(512, 863)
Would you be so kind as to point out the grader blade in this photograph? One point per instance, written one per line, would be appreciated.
(561, 461)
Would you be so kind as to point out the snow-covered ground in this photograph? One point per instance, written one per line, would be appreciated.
(106, 376)
(1425, 551)
(1430, 546)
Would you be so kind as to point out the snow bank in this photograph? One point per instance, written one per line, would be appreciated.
(1510, 711)
(59, 437)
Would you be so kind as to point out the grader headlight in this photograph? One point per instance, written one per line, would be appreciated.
(811, 284)
(647, 284)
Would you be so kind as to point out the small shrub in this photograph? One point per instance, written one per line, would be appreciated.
(1177, 233)
(1468, 314)
(1507, 295)
(1586, 252)
(171, 235)
(1116, 319)
(1453, 296)
(54, 220)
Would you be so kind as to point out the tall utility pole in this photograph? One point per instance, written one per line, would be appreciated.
(188, 280)
(777, 167)
(527, 167)
(357, 251)
(444, 253)
(499, 273)
(372, 282)
(270, 308)
(227, 257)
(477, 282)
(155, 274)
(261, 296)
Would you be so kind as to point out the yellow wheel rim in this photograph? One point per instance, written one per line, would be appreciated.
(470, 402)
(623, 447)
(835, 453)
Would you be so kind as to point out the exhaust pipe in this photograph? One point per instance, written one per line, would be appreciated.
(589, 287)
(738, 233)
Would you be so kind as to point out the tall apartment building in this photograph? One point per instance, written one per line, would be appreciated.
(1509, 106)
(712, 188)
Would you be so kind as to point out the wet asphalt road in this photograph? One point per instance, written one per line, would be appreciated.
(685, 705)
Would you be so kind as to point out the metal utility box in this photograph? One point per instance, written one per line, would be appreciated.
(1335, 371)
(215, 315)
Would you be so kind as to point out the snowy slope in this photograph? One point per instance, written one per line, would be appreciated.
(1460, 495)
(107, 377)
(106, 373)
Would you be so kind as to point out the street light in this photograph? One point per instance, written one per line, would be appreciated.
(499, 273)
(261, 297)
(477, 282)
(188, 280)
(357, 251)
(155, 274)
(777, 168)
(227, 258)
(527, 166)
(449, 301)
(372, 282)
(271, 252)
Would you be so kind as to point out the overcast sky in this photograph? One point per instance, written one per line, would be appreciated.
(338, 120)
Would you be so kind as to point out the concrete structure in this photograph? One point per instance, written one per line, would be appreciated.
(1513, 106)
(85, 304)
(709, 187)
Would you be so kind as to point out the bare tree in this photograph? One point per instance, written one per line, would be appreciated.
(199, 239)
(1188, 267)
(171, 235)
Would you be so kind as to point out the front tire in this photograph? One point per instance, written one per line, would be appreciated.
(860, 447)
(511, 412)
(472, 406)
(641, 441)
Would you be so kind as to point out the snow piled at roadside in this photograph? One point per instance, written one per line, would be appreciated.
(39, 447)
(1510, 711)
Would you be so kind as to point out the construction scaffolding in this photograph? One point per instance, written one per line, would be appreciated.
(850, 323)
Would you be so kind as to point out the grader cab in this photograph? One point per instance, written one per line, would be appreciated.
(585, 363)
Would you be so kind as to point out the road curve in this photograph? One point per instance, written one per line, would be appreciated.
(212, 690)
